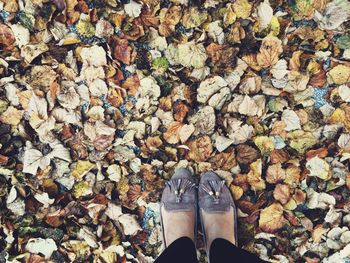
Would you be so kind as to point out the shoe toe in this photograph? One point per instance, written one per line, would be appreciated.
(209, 176)
(182, 173)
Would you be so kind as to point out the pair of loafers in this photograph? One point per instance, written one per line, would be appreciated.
(210, 196)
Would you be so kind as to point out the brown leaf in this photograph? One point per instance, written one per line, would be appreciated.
(6, 36)
(222, 55)
(275, 173)
(148, 19)
(171, 16)
(122, 51)
(223, 161)
(293, 220)
(278, 128)
(200, 149)
(246, 154)
(348, 181)
(292, 175)
(321, 153)
(241, 180)
(299, 196)
(136, 31)
(271, 218)
(153, 143)
(134, 192)
(180, 110)
(251, 60)
(132, 84)
(72, 14)
(115, 97)
(319, 79)
(3, 159)
(279, 156)
(294, 62)
(172, 134)
(10, 6)
(236, 34)
(282, 193)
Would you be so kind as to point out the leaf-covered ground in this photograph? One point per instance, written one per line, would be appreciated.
(101, 100)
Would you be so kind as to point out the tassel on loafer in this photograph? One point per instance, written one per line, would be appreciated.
(179, 195)
(215, 198)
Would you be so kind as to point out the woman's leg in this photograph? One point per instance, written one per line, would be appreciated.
(222, 251)
(181, 250)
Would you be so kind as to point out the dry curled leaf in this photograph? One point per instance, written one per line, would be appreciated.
(271, 48)
(6, 36)
(200, 149)
(271, 218)
(223, 161)
(246, 154)
(275, 173)
(172, 135)
(282, 193)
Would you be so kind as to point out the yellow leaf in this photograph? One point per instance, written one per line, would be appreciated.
(337, 116)
(290, 205)
(82, 168)
(318, 232)
(254, 176)
(236, 191)
(70, 41)
(340, 74)
(275, 26)
(80, 189)
(12, 116)
(271, 218)
(242, 8)
(85, 28)
(35, 120)
(265, 144)
(230, 16)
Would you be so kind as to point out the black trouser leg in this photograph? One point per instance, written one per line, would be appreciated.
(223, 251)
(182, 250)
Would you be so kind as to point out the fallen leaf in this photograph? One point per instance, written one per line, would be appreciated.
(319, 168)
(271, 218)
(242, 8)
(200, 149)
(172, 135)
(6, 36)
(271, 48)
(282, 193)
(340, 74)
(254, 176)
(246, 154)
(275, 173)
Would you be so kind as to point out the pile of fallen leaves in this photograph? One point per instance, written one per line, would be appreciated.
(100, 101)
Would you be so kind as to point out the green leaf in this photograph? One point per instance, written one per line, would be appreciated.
(344, 41)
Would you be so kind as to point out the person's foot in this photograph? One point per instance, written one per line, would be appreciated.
(217, 209)
(178, 207)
